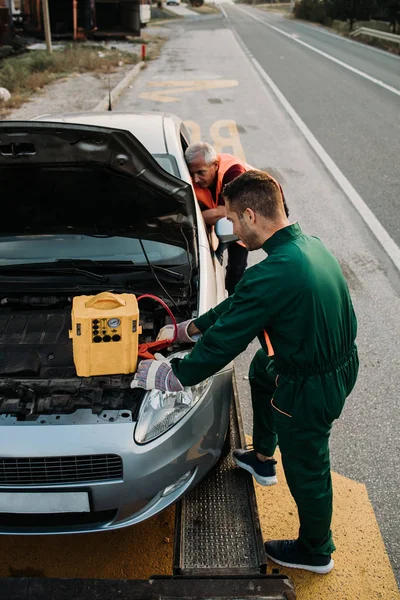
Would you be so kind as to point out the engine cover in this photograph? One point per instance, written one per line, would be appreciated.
(105, 332)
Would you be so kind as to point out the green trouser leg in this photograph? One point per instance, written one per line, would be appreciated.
(262, 384)
(305, 459)
(301, 416)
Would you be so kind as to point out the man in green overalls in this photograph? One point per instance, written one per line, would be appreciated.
(297, 303)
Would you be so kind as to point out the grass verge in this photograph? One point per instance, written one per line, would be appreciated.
(392, 47)
(26, 74)
(205, 9)
(277, 7)
(154, 43)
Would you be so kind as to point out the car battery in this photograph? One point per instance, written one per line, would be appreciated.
(105, 334)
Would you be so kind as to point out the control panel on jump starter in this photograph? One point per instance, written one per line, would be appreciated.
(106, 330)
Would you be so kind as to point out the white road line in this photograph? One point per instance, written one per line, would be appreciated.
(383, 237)
(324, 54)
(341, 38)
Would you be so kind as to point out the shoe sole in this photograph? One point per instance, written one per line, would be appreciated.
(323, 570)
(259, 478)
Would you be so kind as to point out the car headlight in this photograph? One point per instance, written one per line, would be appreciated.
(162, 410)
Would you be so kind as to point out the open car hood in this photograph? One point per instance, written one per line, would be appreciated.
(69, 178)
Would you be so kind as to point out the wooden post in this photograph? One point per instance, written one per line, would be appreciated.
(75, 18)
(38, 15)
(46, 24)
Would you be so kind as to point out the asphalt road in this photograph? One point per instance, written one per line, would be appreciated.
(355, 119)
(226, 102)
(357, 122)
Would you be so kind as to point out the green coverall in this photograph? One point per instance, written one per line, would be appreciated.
(298, 294)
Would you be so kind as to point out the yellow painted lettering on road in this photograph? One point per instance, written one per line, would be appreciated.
(223, 142)
(194, 131)
(166, 91)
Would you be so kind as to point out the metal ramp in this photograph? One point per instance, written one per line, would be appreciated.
(218, 533)
(217, 527)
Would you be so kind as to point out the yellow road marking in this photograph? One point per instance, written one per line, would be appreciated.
(167, 90)
(231, 141)
(224, 136)
(194, 131)
(362, 568)
(136, 552)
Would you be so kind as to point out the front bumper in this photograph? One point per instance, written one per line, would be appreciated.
(182, 456)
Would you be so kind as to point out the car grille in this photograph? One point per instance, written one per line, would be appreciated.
(60, 469)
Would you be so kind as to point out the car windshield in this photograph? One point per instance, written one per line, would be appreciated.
(25, 249)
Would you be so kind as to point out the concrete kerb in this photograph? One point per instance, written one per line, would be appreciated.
(119, 88)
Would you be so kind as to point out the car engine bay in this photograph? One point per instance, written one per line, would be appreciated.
(37, 370)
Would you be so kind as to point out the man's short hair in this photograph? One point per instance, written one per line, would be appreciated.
(256, 190)
(200, 149)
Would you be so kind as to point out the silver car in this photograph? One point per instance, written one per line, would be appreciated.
(91, 203)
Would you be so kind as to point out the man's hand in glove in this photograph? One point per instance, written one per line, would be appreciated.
(156, 375)
(187, 333)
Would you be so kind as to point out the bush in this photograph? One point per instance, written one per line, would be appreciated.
(5, 51)
(40, 61)
(340, 26)
(19, 43)
(312, 10)
(11, 75)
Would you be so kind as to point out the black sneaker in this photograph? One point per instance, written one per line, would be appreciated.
(291, 553)
(263, 472)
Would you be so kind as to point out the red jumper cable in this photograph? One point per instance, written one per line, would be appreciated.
(147, 350)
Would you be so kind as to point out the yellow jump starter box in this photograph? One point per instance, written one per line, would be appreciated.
(105, 334)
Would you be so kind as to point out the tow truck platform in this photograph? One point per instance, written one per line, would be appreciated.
(218, 548)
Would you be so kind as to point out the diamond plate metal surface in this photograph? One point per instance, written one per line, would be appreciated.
(217, 521)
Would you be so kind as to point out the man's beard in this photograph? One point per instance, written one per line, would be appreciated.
(250, 240)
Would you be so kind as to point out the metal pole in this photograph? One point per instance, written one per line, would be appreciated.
(46, 24)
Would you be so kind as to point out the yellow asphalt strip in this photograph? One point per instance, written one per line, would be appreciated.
(135, 552)
(362, 568)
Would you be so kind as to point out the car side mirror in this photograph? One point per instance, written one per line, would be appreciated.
(224, 231)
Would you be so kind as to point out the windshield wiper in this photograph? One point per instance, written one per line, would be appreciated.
(125, 265)
(76, 266)
(50, 269)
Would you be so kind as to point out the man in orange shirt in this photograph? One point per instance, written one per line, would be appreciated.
(210, 173)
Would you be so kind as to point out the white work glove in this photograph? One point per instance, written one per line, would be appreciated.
(156, 375)
(167, 333)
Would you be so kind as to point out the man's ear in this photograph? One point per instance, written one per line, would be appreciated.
(250, 215)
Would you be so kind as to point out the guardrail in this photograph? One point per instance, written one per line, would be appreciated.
(383, 35)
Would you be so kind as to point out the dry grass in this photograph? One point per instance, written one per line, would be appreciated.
(392, 47)
(206, 9)
(276, 6)
(154, 44)
(26, 74)
(342, 27)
